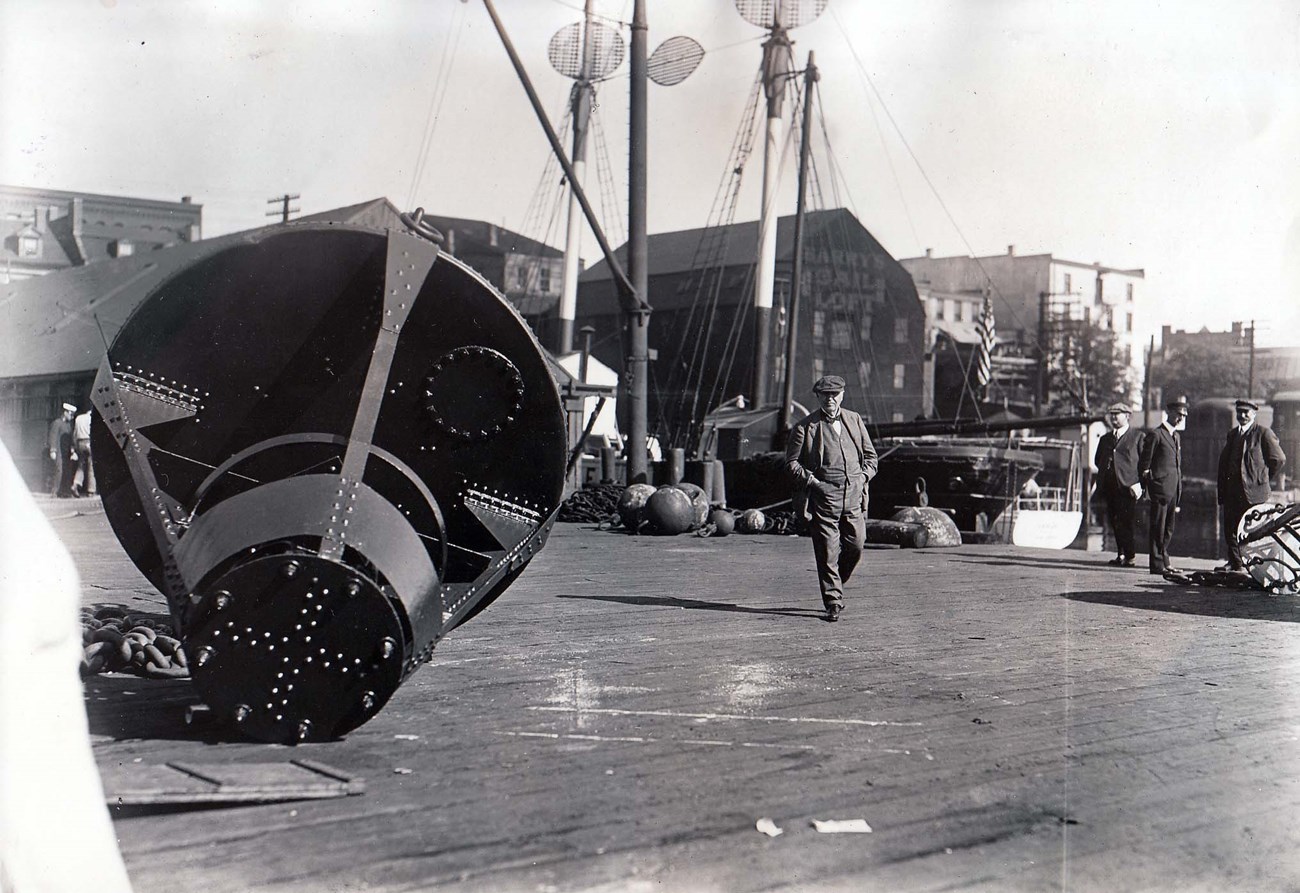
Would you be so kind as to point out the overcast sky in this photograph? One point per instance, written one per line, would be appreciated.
(1141, 134)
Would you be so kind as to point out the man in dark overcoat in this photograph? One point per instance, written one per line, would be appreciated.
(1249, 458)
(1118, 454)
(833, 460)
(1162, 474)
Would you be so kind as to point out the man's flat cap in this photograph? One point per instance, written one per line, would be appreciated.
(1119, 407)
(1176, 403)
(1249, 404)
(69, 407)
(828, 383)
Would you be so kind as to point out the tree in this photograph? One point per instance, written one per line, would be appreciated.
(1200, 370)
(1084, 367)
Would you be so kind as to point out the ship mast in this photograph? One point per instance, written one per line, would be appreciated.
(796, 275)
(776, 53)
(582, 97)
(778, 17)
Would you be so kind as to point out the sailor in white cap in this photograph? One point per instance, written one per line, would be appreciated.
(1250, 456)
(61, 458)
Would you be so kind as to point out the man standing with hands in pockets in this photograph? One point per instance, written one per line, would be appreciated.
(1249, 458)
(833, 460)
(1162, 473)
(1117, 466)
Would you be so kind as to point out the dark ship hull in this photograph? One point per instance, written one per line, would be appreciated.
(967, 471)
(972, 480)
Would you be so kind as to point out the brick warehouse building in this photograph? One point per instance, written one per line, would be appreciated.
(859, 317)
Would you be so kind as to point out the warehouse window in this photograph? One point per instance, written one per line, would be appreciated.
(841, 335)
(900, 330)
(900, 376)
(864, 375)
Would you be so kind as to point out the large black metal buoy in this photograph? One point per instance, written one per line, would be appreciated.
(327, 445)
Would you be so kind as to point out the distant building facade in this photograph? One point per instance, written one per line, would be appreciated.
(858, 317)
(49, 229)
(1269, 368)
(1039, 302)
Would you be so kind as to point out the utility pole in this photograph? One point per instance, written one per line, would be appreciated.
(637, 365)
(1250, 374)
(285, 210)
(1040, 386)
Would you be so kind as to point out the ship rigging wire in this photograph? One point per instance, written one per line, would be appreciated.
(437, 96)
(1006, 305)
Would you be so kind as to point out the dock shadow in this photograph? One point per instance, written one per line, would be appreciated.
(1095, 564)
(696, 604)
(123, 707)
(1204, 601)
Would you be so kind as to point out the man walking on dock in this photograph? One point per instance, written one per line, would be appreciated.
(1249, 458)
(1162, 473)
(1118, 453)
(832, 458)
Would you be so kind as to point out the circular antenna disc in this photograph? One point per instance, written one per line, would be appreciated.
(604, 51)
(674, 60)
(786, 13)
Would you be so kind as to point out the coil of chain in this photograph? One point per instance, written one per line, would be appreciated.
(592, 505)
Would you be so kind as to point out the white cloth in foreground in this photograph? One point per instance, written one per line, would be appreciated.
(55, 832)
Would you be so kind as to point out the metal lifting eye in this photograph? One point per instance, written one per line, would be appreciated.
(417, 224)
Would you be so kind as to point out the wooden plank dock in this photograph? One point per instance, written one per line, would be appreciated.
(1001, 718)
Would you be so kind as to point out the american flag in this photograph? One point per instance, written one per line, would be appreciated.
(988, 335)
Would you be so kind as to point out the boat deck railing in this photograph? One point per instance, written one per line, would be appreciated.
(1058, 499)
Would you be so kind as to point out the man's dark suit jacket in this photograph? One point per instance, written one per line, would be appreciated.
(1118, 460)
(1160, 469)
(1256, 457)
(803, 452)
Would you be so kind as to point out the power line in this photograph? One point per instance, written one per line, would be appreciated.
(283, 201)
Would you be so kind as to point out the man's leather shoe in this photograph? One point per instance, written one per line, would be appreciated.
(833, 613)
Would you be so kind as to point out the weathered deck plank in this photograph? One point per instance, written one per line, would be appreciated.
(1004, 719)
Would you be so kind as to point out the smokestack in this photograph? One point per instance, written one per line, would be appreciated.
(1011, 250)
(929, 252)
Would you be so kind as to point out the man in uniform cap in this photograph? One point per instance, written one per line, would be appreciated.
(1117, 467)
(1250, 456)
(1161, 470)
(832, 458)
(60, 444)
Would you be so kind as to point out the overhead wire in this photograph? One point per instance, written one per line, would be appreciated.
(709, 263)
(438, 95)
(1006, 304)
